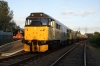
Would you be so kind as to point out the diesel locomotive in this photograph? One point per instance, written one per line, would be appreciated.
(42, 32)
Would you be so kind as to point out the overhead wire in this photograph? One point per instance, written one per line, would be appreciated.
(91, 19)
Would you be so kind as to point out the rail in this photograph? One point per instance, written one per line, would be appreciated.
(63, 56)
(60, 58)
(85, 54)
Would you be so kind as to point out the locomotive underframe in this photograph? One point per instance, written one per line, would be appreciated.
(42, 46)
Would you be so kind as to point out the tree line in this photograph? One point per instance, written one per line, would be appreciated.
(6, 18)
(95, 39)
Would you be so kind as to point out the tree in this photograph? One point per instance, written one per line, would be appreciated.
(95, 38)
(96, 33)
(17, 27)
(5, 15)
(78, 32)
(12, 26)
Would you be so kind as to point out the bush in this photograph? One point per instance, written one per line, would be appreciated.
(95, 38)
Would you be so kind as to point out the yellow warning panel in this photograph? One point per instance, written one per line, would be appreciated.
(26, 48)
(43, 48)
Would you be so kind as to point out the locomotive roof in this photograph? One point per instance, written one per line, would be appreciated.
(46, 16)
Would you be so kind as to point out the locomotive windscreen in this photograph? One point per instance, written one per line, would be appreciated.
(36, 21)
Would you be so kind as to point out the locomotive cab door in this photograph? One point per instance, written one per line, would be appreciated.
(52, 29)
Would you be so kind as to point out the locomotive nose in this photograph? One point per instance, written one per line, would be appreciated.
(36, 33)
(36, 38)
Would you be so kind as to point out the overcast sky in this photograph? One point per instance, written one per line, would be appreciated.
(75, 14)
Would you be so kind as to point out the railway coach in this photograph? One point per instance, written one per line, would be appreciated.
(42, 32)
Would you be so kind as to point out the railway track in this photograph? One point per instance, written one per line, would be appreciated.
(47, 60)
(20, 59)
(27, 58)
(10, 59)
(61, 60)
(30, 59)
(24, 58)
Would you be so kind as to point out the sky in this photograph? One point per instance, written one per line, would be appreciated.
(81, 15)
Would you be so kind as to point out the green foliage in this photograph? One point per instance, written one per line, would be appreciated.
(95, 38)
(78, 32)
(6, 16)
(12, 26)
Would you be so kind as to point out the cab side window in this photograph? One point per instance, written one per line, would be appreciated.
(51, 22)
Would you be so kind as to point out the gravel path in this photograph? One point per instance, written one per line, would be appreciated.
(93, 56)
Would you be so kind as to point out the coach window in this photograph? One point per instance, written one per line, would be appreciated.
(67, 34)
(56, 26)
(67, 30)
(59, 26)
